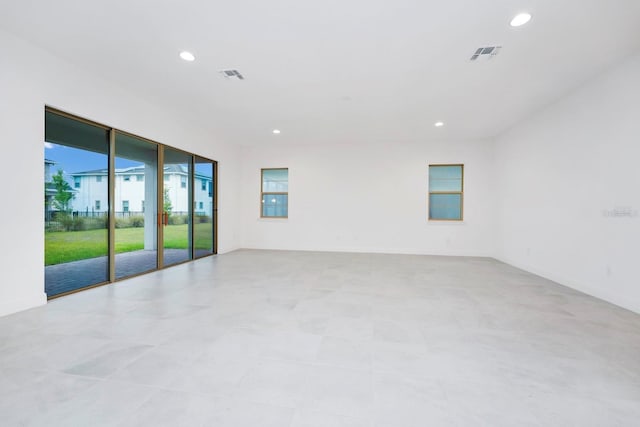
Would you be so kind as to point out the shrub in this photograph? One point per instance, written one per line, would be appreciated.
(136, 221)
(95, 223)
(122, 223)
(177, 219)
(78, 224)
(54, 226)
(203, 219)
(65, 220)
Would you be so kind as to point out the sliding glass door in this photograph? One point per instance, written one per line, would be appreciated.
(204, 209)
(117, 205)
(76, 204)
(135, 205)
(177, 213)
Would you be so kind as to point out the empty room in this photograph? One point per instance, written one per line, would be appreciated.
(320, 213)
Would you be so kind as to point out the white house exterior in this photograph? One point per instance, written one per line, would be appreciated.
(49, 188)
(135, 185)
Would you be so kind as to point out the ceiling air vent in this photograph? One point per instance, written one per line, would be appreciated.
(232, 74)
(485, 53)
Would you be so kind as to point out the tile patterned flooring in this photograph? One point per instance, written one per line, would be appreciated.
(304, 339)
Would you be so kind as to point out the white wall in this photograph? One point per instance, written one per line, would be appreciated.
(368, 198)
(560, 172)
(30, 79)
(535, 199)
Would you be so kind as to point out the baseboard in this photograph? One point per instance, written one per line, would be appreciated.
(16, 305)
(587, 289)
(366, 250)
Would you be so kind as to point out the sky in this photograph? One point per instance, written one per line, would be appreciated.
(72, 160)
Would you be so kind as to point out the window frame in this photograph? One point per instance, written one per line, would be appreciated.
(275, 193)
(460, 193)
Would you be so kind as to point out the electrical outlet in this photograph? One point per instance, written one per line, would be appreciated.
(620, 212)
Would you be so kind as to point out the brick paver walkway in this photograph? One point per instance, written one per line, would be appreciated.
(70, 276)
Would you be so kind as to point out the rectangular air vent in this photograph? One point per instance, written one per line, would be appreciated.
(232, 74)
(485, 53)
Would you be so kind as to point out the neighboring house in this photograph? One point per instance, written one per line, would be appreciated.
(49, 189)
(132, 190)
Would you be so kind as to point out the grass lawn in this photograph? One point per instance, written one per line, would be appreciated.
(67, 246)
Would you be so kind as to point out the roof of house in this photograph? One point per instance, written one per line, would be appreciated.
(138, 170)
(50, 189)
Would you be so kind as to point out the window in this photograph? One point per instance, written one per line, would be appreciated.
(76, 182)
(445, 192)
(166, 177)
(127, 178)
(183, 181)
(125, 206)
(97, 205)
(142, 206)
(274, 194)
(139, 178)
(99, 178)
(203, 185)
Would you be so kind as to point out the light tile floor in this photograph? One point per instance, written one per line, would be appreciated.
(303, 339)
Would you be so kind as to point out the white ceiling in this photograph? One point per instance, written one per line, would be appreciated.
(333, 71)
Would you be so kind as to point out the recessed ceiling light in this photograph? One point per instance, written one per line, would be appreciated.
(520, 19)
(276, 131)
(187, 56)
(438, 124)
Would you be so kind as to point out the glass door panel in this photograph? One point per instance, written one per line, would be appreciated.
(135, 206)
(177, 207)
(76, 204)
(203, 207)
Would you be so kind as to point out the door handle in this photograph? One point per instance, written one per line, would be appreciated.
(164, 219)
